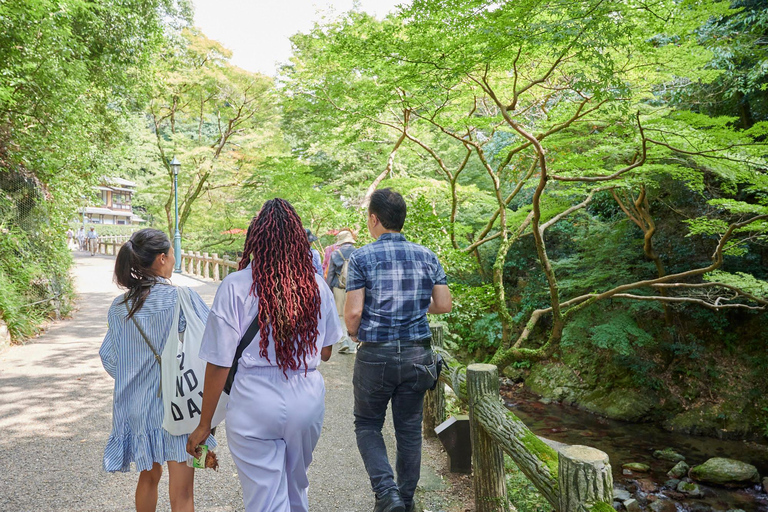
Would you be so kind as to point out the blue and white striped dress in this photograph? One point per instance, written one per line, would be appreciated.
(137, 414)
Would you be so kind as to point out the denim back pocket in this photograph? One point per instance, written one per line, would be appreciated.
(368, 376)
(426, 376)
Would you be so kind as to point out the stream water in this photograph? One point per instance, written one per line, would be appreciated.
(633, 442)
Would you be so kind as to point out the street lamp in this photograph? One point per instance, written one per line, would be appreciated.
(85, 203)
(175, 166)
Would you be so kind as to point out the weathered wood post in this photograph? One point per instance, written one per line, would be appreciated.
(198, 261)
(585, 479)
(190, 263)
(487, 457)
(434, 401)
(114, 247)
(225, 267)
(216, 275)
(206, 265)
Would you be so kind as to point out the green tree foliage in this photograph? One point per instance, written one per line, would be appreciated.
(216, 118)
(542, 108)
(737, 41)
(70, 71)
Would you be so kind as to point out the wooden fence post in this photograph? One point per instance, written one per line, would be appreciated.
(487, 457)
(585, 479)
(225, 267)
(206, 265)
(434, 401)
(191, 263)
(216, 275)
(198, 261)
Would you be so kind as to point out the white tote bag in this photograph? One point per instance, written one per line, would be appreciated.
(184, 373)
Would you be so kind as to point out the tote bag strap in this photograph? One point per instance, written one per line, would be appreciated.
(149, 344)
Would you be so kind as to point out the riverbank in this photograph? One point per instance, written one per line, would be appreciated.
(626, 442)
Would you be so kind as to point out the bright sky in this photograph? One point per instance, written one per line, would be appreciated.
(257, 31)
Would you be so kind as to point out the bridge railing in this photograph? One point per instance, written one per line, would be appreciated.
(196, 263)
(110, 244)
(208, 266)
(571, 478)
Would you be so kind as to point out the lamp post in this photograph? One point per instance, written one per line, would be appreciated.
(85, 203)
(175, 166)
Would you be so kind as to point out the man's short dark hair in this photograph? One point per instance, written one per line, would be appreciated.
(389, 207)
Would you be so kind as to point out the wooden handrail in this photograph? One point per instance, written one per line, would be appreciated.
(204, 265)
(571, 478)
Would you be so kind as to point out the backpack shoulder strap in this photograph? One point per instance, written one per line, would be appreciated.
(342, 255)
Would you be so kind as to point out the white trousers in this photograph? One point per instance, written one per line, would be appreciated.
(273, 425)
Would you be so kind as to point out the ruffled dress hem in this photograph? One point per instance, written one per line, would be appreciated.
(146, 449)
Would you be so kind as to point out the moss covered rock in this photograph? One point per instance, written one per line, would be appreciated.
(679, 471)
(690, 489)
(670, 455)
(727, 472)
(637, 467)
(556, 381)
(713, 421)
(515, 374)
(619, 403)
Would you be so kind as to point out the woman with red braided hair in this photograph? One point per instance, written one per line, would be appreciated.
(277, 401)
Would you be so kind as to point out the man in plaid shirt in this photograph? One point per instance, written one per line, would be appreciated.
(391, 286)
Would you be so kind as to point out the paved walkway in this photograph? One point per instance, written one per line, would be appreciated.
(55, 417)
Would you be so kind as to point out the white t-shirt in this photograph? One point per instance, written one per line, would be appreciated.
(233, 309)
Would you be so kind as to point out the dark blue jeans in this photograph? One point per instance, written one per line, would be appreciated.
(401, 374)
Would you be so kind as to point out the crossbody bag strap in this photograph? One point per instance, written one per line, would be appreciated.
(246, 340)
(248, 337)
(149, 344)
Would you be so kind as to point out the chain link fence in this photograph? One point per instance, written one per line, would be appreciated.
(34, 258)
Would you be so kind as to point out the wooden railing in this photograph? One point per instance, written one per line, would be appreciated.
(571, 478)
(208, 266)
(111, 244)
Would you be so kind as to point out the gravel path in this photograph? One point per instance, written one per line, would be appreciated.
(55, 417)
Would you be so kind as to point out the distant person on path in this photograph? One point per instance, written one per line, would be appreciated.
(316, 261)
(93, 241)
(70, 238)
(144, 266)
(277, 402)
(337, 280)
(80, 238)
(391, 286)
(328, 251)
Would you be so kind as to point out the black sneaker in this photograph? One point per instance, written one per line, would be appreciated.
(389, 501)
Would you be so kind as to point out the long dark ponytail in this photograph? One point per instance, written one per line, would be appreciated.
(133, 267)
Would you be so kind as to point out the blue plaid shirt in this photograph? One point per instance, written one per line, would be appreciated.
(398, 277)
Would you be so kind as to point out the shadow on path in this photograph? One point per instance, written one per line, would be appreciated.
(56, 414)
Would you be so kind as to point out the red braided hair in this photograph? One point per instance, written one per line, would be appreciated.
(284, 278)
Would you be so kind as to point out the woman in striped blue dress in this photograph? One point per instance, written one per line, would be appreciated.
(143, 266)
